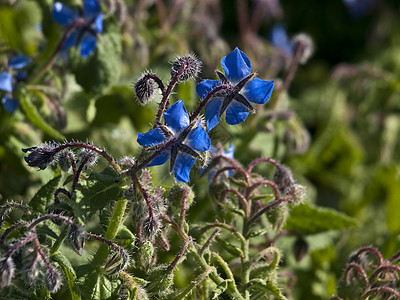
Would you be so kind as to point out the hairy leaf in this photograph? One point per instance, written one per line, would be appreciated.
(44, 196)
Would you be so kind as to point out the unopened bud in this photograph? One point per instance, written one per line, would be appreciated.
(145, 88)
(307, 46)
(299, 194)
(53, 280)
(160, 281)
(6, 272)
(64, 160)
(185, 67)
(176, 195)
(150, 227)
(278, 216)
(284, 179)
(300, 248)
(145, 254)
(118, 262)
(89, 156)
(41, 156)
(76, 238)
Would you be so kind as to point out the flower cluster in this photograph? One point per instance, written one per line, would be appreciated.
(8, 81)
(82, 27)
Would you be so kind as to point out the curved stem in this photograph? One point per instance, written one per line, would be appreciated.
(262, 159)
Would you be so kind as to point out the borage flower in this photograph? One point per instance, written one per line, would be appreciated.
(8, 81)
(241, 86)
(86, 25)
(184, 139)
(218, 162)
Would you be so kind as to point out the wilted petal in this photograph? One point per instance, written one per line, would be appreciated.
(258, 91)
(18, 62)
(206, 86)
(198, 139)
(153, 137)
(91, 8)
(212, 112)
(176, 117)
(9, 104)
(236, 113)
(98, 23)
(183, 163)
(160, 159)
(88, 44)
(63, 14)
(236, 65)
(6, 82)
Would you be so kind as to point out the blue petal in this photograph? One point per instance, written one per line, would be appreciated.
(70, 40)
(88, 44)
(280, 39)
(98, 23)
(21, 75)
(212, 112)
(183, 163)
(258, 91)
(90, 8)
(236, 65)
(198, 139)
(9, 104)
(176, 117)
(159, 160)
(63, 14)
(6, 82)
(18, 62)
(206, 86)
(153, 137)
(230, 152)
(236, 113)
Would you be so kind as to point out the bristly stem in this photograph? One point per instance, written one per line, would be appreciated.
(175, 262)
(183, 209)
(209, 241)
(360, 271)
(48, 217)
(10, 229)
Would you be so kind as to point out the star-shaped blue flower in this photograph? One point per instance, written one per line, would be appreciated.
(87, 25)
(8, 81)
(185, 141)
(241, 87)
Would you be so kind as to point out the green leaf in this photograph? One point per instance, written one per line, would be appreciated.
(220, 288)
(69, 273)
(235, 251)
(33, 115)
(96, 192)
(100, 70)
(308, 219)
(44, 196)
(267, 287)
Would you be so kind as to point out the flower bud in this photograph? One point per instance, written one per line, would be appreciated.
(176, 195)
(118, 262)
(64, 160)
(307, 46)
(144, 254)
(300, 248)
(41, 156)
(150, 227)
(89, 156)
(145, 88)
(53, 280)
(284, 179)
(185, 67)
(76, 238)
(299, 194)
(6, 272)
(278, 216)
(160, 281)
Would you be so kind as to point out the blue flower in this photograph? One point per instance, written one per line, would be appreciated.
(359, 8)
(86, 25)
(279, 39)
(185, 141)
(218, 163)
(241, 86)
(8, 81)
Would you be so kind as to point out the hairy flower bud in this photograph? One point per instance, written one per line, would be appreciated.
(64, 161)
(278, 216)
(76, 238)
(117, 262)
(284, 179)
(41, 156)
(185, 67)
(299, 194)
(89, 156)
(53, 280)
(145, 88)
(150, 227)
(144, 254)
(6, 272)
(307, 46)
(160, 281)
(176, 194)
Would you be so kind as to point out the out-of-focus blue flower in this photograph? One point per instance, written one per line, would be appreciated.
(186, 141)
(216, 163)
(279, 39)
(240, 88)
(8, 81)
(359, 8)
(86, 25)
